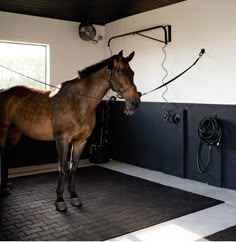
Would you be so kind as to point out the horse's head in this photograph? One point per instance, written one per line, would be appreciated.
(122, 82)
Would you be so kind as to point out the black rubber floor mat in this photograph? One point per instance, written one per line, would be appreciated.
(228, 234)
(114, 204)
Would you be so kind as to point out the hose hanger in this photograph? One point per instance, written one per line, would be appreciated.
(167, 39)
(166, 29)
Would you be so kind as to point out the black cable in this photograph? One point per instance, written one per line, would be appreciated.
(31, 78)
(56, 87)
(168, 82)
(166, 74)
(210, 131)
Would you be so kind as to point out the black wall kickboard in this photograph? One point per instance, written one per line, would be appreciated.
(146, 140)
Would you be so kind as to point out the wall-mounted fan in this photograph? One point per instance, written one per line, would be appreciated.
(87, 31)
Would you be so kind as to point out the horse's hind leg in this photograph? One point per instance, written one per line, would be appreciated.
(13, 138)
(77, 147)
(62, 150)
(4, 166)
(9, 137)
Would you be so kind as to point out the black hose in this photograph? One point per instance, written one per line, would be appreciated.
(210, 131)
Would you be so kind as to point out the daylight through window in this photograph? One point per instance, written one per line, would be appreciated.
(28, 59)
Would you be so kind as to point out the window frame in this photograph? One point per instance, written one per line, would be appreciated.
(46, 60)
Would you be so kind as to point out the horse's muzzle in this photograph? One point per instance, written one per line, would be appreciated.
(132, 104)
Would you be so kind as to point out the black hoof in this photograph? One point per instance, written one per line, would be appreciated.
(76, 202)
(61, 206)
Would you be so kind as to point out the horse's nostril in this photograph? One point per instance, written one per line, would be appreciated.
(135, 103)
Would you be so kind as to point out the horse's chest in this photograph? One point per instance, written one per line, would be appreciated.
(84, 125)
(74, 125)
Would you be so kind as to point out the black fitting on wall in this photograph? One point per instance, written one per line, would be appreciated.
(202, 52)
(171, 117)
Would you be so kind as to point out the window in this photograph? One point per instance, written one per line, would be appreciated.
(30, 60)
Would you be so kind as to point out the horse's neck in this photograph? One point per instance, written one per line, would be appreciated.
(91, 89)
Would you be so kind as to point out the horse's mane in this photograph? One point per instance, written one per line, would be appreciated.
(96, 67)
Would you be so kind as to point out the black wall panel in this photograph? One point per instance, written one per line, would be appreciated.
(223, 166)
(214, 175)
(146, 139)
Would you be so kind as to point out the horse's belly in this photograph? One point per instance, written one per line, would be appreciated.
(33, 118)
(39, 130)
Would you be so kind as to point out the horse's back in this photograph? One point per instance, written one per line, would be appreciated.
(28, 109)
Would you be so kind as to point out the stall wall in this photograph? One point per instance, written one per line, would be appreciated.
(68, 53)
(208, 89)
(196, 24)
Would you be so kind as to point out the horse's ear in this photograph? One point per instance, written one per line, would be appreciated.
(130, 57)
(119, 56)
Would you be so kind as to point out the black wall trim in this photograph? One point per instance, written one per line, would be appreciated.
(147, 140)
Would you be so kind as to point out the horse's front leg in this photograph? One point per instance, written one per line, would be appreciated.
(77, 147)
(62, 150)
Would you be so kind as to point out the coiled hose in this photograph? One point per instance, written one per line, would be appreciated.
(210, 131)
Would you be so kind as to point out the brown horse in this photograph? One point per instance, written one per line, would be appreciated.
(66, 114)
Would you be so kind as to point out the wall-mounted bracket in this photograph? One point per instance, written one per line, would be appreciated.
(166, 29)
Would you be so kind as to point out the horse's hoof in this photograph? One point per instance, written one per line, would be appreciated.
(61, 206)
(76, 202)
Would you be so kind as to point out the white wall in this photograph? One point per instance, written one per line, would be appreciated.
(196, 24)
(68, 53)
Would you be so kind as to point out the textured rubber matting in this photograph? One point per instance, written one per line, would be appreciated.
(228, 234)
(114, 204)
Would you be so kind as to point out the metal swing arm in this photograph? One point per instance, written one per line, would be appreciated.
(166, 28)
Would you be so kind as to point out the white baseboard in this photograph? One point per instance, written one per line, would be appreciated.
(38, 169)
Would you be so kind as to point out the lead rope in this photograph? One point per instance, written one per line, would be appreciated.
(119, 94)
(36, 80)
(20, 74)
(165, 84)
